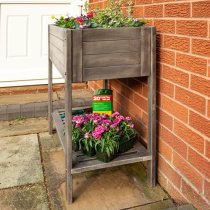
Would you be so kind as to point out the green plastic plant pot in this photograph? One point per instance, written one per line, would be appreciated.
(89, 153)
(126, 145)
(75, 146)
(104, 157)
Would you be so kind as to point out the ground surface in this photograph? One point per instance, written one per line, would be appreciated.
(33, 176)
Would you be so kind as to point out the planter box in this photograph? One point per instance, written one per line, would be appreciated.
(94, 54)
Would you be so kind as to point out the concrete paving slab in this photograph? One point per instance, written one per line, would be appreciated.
(22, 127)
(20, 161)
(24, 198)
(49, 142)
(109, 189)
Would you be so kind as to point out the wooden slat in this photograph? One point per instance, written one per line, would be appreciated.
(93, 35)
(114, 59)
(77, 55)
(117, 46)
(111, 72)
(56, 42)
(59, 127)
(58, 64)
(59, 32)
(125, 158)
(145, 51)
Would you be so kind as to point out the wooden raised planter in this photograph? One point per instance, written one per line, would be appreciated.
(95, 54)
(101, 54)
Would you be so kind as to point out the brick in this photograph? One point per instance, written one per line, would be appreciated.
(165, 119)
(201, 47)
(177, 10)
(191, 63)
(160, 1)
(138, 11)
(141, 102)
(165, 150)
(177, 43)
(162, 179)
(196, 28)
(27, 110)
(207, 189)
(178, 145)
(153, 11)
(123, 90)
(169, 172)
(194, 197)
(189, 136)
(201, 9)
(177, 110)
(143, 2)
(135, 85)
(200, 85)
(13, 111)
(190, 99)
(159, 40)
(208, 149)
(166, 56)
(199, 162)
(175, 194)
(199, 123)
(175, 76)
(208, 108)
(165, 87)
(188, 171)
(165, 26)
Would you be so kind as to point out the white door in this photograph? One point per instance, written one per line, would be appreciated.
(24, 41)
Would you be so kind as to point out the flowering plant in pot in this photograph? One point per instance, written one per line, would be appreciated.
(103, 135)
(126, 131)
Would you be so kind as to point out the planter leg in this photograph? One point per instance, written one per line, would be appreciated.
(50, 89)
(152, 164)
(68, 122)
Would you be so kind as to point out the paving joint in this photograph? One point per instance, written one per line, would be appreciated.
(165, 199)
(44, 174)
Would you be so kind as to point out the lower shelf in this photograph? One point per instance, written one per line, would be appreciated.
(84, 163)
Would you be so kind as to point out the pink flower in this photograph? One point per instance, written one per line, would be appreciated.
(96, 135)
(115, 114)
(120, 117)
(99, 129)
(87, 135)
(128, 118)
(107, 122)
(132, 125)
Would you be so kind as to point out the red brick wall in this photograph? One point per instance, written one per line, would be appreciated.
(183, 96)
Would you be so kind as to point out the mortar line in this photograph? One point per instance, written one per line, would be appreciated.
(44, 174)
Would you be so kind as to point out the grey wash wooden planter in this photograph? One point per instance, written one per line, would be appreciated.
(101, 54)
